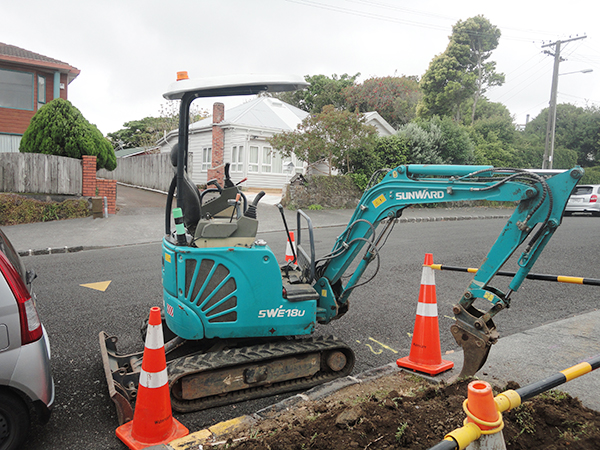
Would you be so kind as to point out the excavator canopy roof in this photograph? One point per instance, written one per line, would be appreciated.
(223, 86)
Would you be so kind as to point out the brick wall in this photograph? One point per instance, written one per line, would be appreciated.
(218, 144)
(89, 176)
(108, 189)
(98, 187)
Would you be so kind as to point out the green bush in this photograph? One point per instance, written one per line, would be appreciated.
(60, 129)
(591, 176)
(16, 209)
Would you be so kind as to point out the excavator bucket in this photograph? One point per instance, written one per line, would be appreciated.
(121, 375)
(475, 350)
(476, 344)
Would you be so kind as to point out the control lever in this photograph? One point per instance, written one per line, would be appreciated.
(236, 206)
(251, 211)
(216, 184)
(287, 231)
(227, 182)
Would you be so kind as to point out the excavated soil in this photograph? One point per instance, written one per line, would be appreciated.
(402, 411)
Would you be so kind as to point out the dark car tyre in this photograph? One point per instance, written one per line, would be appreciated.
(14, 421)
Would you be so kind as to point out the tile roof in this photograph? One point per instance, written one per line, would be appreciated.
(16, 54)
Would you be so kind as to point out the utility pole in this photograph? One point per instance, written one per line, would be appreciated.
(551, 127)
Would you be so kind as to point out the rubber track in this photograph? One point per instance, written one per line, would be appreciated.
(181, 367)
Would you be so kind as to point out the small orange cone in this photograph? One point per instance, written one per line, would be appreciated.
(153, 422)
(425, 350)
(289, 255)
(481, 409)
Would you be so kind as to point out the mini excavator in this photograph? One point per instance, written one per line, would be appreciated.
(247, 321)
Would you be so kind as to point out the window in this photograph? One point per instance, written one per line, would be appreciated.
(267, 159)
(16, 90)
(253, 159)
(206, 158)
(237, 158)
(41, 91)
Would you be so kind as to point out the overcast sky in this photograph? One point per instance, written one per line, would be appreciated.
(129, 51)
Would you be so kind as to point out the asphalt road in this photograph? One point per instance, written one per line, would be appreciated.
(377, 326)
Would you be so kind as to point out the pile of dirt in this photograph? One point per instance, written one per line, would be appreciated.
(402, 411)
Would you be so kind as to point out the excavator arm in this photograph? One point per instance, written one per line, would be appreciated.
(540, 199)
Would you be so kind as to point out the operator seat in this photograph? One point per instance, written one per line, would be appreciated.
(188, 192)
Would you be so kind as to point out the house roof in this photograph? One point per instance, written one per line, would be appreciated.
(13, 54)
(262, 112)
(125, 152)
(271, 114)
(382, 125)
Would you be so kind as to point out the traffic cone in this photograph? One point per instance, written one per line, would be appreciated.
(153, 422)
(481, 409)
(425, 350)
(289, 255)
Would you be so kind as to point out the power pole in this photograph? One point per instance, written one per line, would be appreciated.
(551, 127)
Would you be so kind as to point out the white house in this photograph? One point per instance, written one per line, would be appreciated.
(245, 130)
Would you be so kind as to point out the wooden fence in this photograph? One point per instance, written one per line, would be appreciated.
(40, 174)
(49, 174)
(150, 171)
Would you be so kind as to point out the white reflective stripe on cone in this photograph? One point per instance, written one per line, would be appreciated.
(154, 337)
(152, 380)
(427, 309)
(427, 277)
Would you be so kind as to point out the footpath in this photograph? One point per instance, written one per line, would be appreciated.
(524, 357)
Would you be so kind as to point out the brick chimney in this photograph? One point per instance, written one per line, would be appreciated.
(218, 144)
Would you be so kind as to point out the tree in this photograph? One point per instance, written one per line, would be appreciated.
(394, 98)
(482, 38)
(147, 131)
(137, 133)
(462, 71)
(329, 137)
(58, 128)
(577, 129)
(438, 141)
(322, 91)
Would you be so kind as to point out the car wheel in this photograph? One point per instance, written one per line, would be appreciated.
(14, 421)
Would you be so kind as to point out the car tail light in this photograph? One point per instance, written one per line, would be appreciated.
(31, 327)
(593, 198)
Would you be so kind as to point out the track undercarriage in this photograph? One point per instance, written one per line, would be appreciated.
(228, 372)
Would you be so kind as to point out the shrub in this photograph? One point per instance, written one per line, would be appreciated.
(60, 129)
(16, 209)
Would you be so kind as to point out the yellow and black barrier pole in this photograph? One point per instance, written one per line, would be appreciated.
(531, 276)
(460, 438)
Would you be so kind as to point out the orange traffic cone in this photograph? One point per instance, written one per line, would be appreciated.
(153, 422)
(425, 350)
(289, 255)
(481, 409)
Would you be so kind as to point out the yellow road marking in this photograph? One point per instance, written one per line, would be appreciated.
(383, 345)
(99, 286)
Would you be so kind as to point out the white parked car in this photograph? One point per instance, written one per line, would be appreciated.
(584, 199)
(25, 378)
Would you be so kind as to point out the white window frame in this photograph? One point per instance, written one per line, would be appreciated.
(237, 158)
(253, 159)
(206, 159)
(267, 160)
